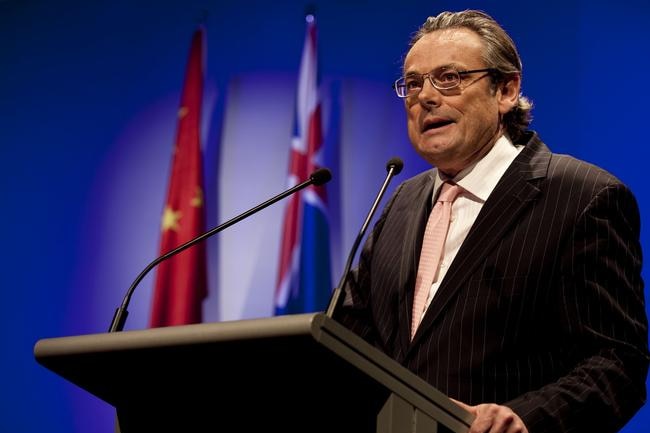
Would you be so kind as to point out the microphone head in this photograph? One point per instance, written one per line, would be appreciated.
(320, 176)
(396, 164)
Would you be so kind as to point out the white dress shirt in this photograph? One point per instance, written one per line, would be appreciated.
(478, 181)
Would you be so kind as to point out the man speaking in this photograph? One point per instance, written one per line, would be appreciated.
(508, 277)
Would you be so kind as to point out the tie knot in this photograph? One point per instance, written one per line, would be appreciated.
(449, 192)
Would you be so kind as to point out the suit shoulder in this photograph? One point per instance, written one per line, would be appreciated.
(562, 168)
(418, 181)
(589, 187)
(565, 168)
(412, 190)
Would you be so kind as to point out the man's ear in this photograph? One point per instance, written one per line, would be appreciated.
(508, 93)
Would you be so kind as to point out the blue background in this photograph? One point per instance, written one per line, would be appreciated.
(88, 96)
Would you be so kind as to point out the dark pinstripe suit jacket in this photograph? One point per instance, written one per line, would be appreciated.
(542, 308)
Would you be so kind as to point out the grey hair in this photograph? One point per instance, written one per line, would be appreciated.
(500, 54)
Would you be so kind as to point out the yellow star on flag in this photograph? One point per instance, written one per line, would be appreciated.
(182, 112)
(170, 219)
(197, 200)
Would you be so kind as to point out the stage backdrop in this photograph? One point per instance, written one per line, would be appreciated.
(89, 93)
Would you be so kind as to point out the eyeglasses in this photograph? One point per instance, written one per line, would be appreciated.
(445, 78)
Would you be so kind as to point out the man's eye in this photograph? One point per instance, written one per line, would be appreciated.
(447, 77)
(413, 83)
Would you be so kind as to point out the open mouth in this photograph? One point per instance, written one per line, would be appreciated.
(435, 124)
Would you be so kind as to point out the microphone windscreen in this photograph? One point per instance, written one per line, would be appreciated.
(321, 176)
(396, 163)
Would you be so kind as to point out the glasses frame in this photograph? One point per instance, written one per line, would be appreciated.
(428, 75)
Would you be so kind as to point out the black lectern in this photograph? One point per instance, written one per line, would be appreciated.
(299, 373)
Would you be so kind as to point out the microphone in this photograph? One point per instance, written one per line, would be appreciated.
(393, 166)
(318, 177)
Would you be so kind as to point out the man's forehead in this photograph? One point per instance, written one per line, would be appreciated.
(457, 46)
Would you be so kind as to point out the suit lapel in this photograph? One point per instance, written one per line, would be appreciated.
(512, 194)
(415, 221)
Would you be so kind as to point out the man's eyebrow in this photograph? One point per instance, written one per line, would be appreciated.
(455, 66)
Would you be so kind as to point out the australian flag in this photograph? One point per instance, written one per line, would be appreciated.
(304, 276)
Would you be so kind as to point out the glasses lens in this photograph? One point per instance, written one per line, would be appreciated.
(409, 85)
(445, 78)
(400, 87)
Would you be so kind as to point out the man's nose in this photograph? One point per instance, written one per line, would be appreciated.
(429, 95)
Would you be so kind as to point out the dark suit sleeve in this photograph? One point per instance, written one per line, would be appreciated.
(600, 308)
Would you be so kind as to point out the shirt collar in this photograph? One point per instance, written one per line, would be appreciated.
(480, 178)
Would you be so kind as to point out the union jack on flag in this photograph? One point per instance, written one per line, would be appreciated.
(304, 276)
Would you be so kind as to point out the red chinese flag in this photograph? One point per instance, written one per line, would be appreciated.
(181, 282)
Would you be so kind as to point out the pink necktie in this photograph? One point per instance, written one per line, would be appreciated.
(432, 245)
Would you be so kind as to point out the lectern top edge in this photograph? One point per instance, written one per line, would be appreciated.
(172, 336)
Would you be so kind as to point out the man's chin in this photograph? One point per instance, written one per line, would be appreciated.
(433, 148)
